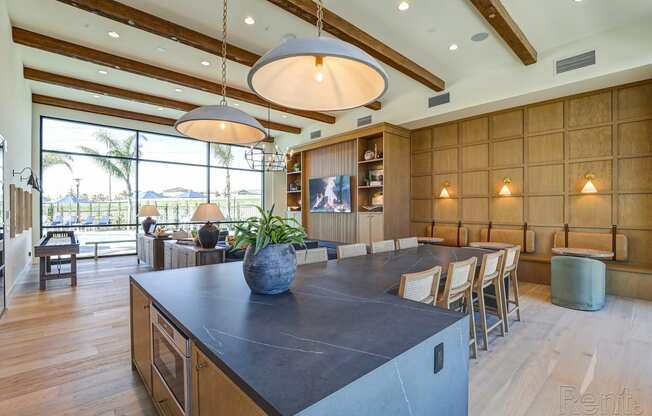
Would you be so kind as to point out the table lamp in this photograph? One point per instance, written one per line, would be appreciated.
(148, 211)
(209, 233)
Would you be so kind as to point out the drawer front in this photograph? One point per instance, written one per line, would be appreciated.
(163, 399)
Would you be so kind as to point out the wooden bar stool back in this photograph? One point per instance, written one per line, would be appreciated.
(512, 255)
(382, 246)
(459, 288)
(491, 272)
(351, 250)
(403, 243)
(421, 286)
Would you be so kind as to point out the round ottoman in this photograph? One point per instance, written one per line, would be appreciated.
(577, 282)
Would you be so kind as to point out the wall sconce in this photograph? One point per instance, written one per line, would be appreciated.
(444, 191)
(505, 191)
(589, 188)
(31, 179)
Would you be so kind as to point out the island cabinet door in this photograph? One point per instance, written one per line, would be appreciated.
(214, 394)
(140, 335)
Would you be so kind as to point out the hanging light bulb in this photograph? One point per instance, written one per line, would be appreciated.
(505, 191)
(444, 191)
(589, 188)
(221, 123)
(318, 74)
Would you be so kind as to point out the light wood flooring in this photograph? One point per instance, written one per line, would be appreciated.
(65, 351)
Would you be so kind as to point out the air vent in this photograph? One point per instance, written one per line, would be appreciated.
(363, 121)
(315, 134)
(575, 62)
(439, 99)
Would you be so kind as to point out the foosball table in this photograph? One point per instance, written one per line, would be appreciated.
(57, 244)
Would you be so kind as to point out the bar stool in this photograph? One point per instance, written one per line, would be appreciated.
(409, 242)
(382, 246)
(421, 286)
(312, 255)
(512, 255)
(491, 273)
(351, 250)
(459, 288)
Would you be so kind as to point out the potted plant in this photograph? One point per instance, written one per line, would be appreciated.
(270, 261)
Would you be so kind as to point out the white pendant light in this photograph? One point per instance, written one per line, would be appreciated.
(318, 74)
(221, 123)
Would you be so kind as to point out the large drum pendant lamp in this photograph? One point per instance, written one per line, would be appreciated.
(318, 74)
(221, 123)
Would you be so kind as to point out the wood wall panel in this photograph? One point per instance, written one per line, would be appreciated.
(600, 168)
(635, 138)
(508, 124)
(421, 140)
(546, 210)
(475, 130)
(421, 164)
(507, 153)
(546, 148)
(516, 176)
(635, 174)
(445, 135)
(446, 210)
(588, 143)
(475, 183)
(475, 157)
(475, 210)
(545, 117)
(438, 184)
(635, 101)
(507, 210)
(590, 210)
(421, 187)
(421, 210)
(546, 179)
(444, 160)
(589, 110)
(635, 210)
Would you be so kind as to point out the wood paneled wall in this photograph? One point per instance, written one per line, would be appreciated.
(545, 149)
(333, 160)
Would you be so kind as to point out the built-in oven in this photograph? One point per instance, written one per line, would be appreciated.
(171, 359)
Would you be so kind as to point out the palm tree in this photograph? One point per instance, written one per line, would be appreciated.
(224, 155)
(54, 159)
(120, 168)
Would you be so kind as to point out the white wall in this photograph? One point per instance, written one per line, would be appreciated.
(15, 120)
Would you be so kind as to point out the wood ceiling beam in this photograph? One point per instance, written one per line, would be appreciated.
(348, 32)
(64, 81)
(131, 16)
(49, 44)
(498, 17)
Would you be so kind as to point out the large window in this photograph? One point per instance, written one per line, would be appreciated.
(95, 179)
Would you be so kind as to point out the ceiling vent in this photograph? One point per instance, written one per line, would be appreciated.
(315, 134)
(363, 121)
(439, 100)
(575, 62)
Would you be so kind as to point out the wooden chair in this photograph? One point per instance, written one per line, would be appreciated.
(459, 290)
(512, 255)
(351, 250)
(421, 286)
(382, 246)
(491, 273)
(313, 255)
(403, 243)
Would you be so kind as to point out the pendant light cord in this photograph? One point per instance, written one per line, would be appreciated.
(320, 17)
(224, 15)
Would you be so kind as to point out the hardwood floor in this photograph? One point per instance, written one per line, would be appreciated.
(65, 351)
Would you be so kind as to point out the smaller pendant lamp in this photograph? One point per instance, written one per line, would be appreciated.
(318, 74)
(221, 123)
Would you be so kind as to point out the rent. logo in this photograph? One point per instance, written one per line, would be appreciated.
(574, 403)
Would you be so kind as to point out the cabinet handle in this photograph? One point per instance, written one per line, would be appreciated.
(146, 307)
(199, 366)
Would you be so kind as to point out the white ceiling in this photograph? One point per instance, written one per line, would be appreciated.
(422, 33)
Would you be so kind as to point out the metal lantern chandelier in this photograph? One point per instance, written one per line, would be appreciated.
(259, 157)
(318, 74)
(221, 123)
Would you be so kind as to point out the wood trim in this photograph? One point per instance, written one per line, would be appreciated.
(64, 81)
(49, 44)
(346, 31)
(378, 128)
(498, 17)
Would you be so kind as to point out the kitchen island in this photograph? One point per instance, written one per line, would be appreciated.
(341, 342)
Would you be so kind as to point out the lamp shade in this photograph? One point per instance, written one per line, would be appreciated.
(220, 124)
(589, 187)
(505, 191)
(148, 211)
(207, 212)
(318, 74)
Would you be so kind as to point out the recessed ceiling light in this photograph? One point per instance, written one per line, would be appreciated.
(284, 115)
(236, 105)
(205, 63)
(479, 37)
(114, 35)
(161, 49)
(249, 20)
(96, 96)
(453, 47)
(160, 109)
(403, 6)
(178, 90)
(102, 72)
(577, 1)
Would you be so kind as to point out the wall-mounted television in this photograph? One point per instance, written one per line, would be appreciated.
(330, 194)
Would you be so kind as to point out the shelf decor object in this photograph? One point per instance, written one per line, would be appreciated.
(270, 261)
(148, 211)
(505, 191)
(318, 74)
(589, 187)
(208, 235)
(221, 123)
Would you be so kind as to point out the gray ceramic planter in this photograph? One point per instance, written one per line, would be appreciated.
(272, 270)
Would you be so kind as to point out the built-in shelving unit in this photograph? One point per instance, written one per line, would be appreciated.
(294, 186)
(370, 173)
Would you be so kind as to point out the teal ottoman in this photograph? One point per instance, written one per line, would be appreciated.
(577, 282)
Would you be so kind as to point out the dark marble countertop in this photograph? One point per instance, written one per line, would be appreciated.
(340, 321)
